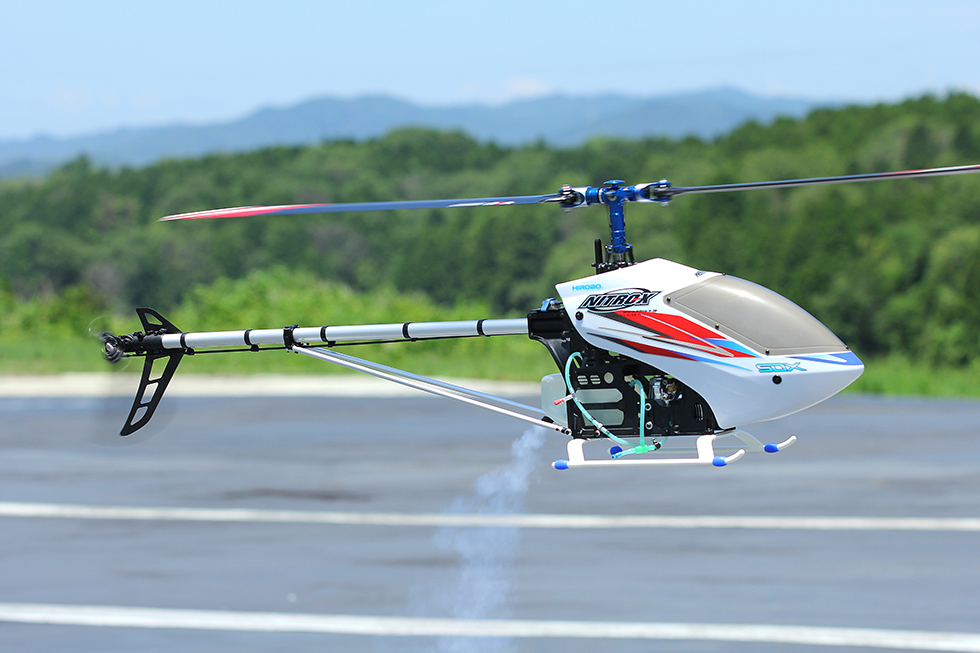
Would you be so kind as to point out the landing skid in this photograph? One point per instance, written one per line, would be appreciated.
(706, 452)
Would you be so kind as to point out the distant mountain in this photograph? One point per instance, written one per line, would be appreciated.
(558, 120)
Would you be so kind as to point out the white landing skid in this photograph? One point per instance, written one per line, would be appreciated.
(705, 450)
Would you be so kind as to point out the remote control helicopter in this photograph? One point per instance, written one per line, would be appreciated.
(647, 353)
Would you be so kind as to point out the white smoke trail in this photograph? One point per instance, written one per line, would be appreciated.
(486, 555)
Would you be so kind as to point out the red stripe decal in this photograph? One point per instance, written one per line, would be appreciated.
(239, 212)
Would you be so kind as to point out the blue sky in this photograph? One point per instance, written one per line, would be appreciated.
(78, 67)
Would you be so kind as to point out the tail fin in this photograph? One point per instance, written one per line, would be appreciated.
(152, 387)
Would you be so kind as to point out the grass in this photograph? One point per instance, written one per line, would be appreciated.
(50, 335)
(897, 375)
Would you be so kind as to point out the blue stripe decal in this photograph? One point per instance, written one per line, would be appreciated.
(844, 358)
(715, 361)
(731, 344)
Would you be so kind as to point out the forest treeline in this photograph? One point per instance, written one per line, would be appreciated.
(890, 266)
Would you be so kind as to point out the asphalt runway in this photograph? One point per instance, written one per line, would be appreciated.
(417, 524)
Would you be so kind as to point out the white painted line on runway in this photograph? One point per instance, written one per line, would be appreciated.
(130, 617)
(70, 511)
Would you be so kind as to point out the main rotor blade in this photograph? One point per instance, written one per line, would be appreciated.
(296, 209)
(815, 181)
(660, 191)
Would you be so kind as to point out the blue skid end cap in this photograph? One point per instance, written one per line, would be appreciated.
(615, 449)
(560, 464)
(719, 461)
(772, 447)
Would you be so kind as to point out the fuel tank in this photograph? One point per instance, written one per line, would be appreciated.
(751, 353)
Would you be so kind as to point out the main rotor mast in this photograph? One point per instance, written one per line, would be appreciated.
(614, 194)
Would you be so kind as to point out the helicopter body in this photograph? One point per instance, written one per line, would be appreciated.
(752, 354)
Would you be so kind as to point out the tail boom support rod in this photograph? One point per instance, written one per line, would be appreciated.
(431, 386)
